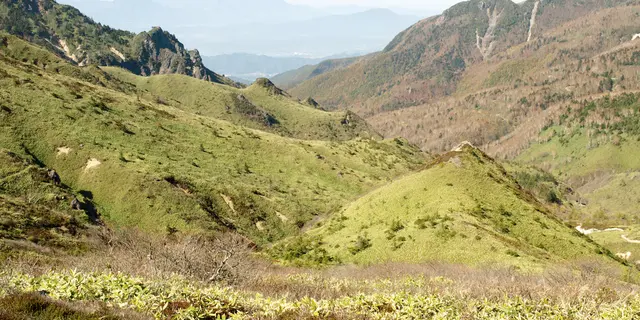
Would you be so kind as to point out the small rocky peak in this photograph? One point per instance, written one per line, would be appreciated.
(313, 103)
(269, 86)
(463, 146)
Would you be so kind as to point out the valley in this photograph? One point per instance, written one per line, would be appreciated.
(484, 165)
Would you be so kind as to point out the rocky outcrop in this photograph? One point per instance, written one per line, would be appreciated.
(532, 22)
(271, 88)
(486, 43)
(313, 103)
(160, 52)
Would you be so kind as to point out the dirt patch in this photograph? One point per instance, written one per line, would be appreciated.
(624, 255)
(486, 43)
(183, 186)
(67, 51)
(461, 146)
(456, 161)
(282, 217)
(92, 164)
(117, 53)
(229, 203)
(625, 238)
(62, 151)
(592, 231)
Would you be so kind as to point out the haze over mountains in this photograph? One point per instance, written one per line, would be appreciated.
(268, 28)
(272, 27)
(249, 67)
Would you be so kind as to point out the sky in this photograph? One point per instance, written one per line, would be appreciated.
(315, 28)
(430, 5)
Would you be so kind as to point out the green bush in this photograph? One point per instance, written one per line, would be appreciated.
(361, 244)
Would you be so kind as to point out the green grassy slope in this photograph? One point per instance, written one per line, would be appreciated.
(155, 166)
(594, 146)
(464, 208)
(260, 106)
(35, 215)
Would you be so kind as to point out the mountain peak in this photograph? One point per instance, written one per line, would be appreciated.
(266, 84)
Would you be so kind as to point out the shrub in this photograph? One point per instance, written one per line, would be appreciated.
(396, 226)
(361, 244)
(552, 197)
(513, 253)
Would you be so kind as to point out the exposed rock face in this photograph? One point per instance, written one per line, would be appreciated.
(532, 23)
(486, 44)
(159, 52)
(312, 103)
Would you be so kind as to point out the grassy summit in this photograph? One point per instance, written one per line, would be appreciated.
(464, 208)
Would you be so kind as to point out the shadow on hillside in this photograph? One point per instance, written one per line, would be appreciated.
(88, 207)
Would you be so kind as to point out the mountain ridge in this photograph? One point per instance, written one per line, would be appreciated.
(428, 59)
(66, 31)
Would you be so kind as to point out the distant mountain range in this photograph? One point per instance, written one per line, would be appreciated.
(271, 27)
(246, 67)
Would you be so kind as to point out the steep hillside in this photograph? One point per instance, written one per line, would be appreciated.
(66, 31)
(594, 146)
(463, 208)
(36, 216)
(427, 61)
(290, 79)
(434, 86)
(260, 106)
(174, 167)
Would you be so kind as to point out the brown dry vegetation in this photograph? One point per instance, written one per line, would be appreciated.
(502, 102)
(153, 257)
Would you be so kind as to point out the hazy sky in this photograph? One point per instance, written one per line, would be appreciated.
(431, 5)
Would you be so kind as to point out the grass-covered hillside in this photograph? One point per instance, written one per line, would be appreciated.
(594, 146)
(465, 208)
(158, 165)
(173, 197)
(261, 106)
(36, 216)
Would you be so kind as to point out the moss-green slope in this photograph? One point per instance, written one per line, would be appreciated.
(261, 106)
(35, 214)
(595, 147)
(152, 165)
(464, 208)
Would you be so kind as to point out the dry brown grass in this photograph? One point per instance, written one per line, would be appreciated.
(550, 72)
(565, 284)
(228, 260)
